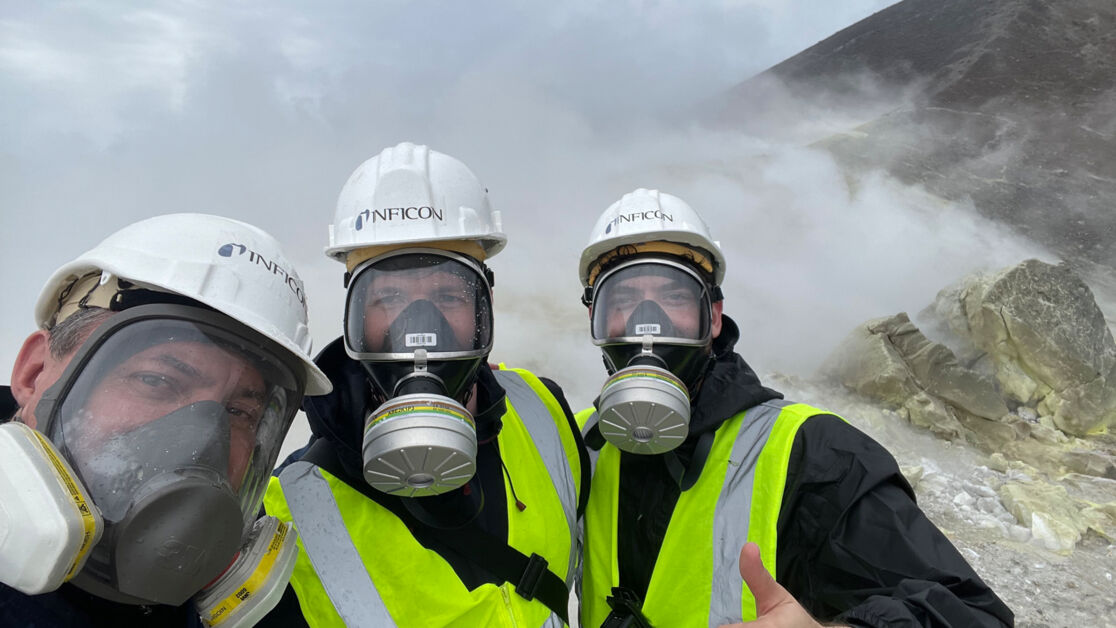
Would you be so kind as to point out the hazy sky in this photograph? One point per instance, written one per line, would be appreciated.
(261, 110)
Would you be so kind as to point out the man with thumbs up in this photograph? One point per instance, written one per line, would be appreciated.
(697, 460)
(774, 605)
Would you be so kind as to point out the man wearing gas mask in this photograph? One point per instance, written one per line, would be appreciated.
(145, 417)
(437, 491)
(714, 501)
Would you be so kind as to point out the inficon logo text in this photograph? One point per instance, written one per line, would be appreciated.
(638, 216)
(293, 282)
(397, 213)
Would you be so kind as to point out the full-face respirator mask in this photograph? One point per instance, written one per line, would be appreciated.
(420, 323)
(651, 317)
(145, 476)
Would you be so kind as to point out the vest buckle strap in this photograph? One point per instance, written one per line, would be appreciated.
(532, 574)
(626, 610)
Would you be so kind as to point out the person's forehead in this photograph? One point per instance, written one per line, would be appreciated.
(648, 281)
(201, 354)
(411, 276)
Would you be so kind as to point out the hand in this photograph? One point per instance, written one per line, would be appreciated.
(774, 606)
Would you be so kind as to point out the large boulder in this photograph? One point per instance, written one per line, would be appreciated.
(889, 359)
(1025, 367)
(867, 362)
(1047, 340)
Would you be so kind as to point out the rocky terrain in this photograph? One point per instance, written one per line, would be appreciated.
(958, 488)
(1000, 408)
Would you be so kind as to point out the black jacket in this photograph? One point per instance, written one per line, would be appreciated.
(69, 606)
(338, 418)
(842, 490)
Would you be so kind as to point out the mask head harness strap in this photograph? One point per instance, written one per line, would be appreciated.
(694, 258)
(109, 292)
(468, 248)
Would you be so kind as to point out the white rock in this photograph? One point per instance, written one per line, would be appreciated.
(979, 490)
(992, 524)
(1051, 534)
(1018, 533)
(964, 500)
(989, 505)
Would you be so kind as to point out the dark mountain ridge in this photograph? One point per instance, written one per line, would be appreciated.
(1011, 103)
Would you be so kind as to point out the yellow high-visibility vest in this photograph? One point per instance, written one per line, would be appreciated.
(696, 580)
(359, 565)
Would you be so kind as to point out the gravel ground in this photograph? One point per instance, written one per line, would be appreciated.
(957, 490)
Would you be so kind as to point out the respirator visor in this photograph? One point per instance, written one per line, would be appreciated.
(162, 392)
(651, 297)
(402, 302)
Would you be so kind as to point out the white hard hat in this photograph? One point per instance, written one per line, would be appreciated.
(408, 194)
(235, 268)
(645, 217)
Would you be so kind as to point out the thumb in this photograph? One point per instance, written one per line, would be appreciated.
(768, 593)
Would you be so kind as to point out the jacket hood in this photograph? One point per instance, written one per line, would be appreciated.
(730, 386)
(8, 405)
(339, 416)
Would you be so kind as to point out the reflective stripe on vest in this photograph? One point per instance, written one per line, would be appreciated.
(544, 433)
(734, 508)
(341, 531)
(586, 419)
(330, 549)
(696, 579)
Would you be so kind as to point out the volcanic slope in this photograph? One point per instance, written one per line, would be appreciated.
(1011, 103)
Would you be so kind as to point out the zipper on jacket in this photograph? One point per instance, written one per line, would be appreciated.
(508, 604)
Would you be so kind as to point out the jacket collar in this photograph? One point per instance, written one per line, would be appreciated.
(8, 405)
(730, 387)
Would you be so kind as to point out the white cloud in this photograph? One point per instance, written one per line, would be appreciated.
(31, 60)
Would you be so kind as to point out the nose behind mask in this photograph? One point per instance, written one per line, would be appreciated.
(173, 521)
(194, 436)
(687, 362)
(649, 318)
(422, 325)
